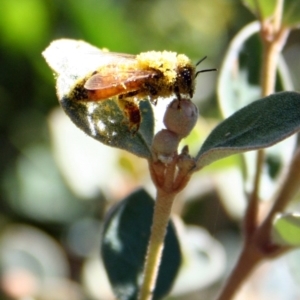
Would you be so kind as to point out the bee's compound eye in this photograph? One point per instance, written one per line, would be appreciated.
(185, 81)
(186, 76)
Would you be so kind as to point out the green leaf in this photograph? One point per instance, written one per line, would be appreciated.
(286, 229)
(107, 124)
(124, 244)
(291, 15)
(263, 8)
(103, 120)
(258, 125)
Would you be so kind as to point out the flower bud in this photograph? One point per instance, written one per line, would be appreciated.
(185, 161)
(181, 117)
(164, 145)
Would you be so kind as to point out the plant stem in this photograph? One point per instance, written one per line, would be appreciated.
(273, 38)
(162, 211)
(271, 51)
(278, 13)
(257, 243)
(288, 189)
(250, 220)
(259, 246)
(161, 217)
(248, 260)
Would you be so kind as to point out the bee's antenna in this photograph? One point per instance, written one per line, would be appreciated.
(201, 60)
(202, 71)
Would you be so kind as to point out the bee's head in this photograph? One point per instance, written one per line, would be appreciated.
(186, 80)
(186, 77)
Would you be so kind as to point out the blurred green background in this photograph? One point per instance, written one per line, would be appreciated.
(55, 183)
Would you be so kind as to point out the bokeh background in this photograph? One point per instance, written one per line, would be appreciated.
(56, 183)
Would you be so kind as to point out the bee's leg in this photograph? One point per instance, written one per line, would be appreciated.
(131, 111)
(153, 100)
(152, 91)
(178, 96)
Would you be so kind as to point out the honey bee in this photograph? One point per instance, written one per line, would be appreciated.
(131, 78)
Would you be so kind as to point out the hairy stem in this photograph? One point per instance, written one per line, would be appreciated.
(161, 217)
(162, 211)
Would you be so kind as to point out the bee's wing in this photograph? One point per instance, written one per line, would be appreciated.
(103, 58)
(129, 79)
(74, 58)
